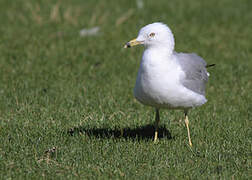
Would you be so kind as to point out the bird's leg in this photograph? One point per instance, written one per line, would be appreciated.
(156, 126)
(187, 126)
(121, 132)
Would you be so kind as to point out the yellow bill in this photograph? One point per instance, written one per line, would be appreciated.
(131, 43)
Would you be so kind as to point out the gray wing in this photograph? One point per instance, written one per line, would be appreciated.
(195, 69)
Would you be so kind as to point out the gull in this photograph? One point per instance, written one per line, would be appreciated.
(167, 79)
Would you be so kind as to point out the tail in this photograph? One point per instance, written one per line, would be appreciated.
(210, 65)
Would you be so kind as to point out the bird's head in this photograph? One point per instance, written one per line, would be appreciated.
(157, 35)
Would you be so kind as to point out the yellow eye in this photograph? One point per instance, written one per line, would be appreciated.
(152, 34)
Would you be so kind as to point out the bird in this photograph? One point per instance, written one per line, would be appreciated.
(167, 79)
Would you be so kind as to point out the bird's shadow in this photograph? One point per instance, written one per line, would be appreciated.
(143, 132)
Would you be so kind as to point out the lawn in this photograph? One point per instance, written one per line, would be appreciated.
(64, 98)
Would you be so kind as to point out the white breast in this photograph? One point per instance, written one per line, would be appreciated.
(158, 84)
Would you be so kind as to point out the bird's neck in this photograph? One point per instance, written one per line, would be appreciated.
(157, 57)
(164, 51)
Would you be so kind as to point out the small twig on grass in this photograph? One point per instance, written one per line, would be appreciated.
(47, 158)
(47, 155)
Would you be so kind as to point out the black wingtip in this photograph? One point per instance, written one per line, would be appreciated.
(210, 65)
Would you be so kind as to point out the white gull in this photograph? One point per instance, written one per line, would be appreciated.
(167, 79)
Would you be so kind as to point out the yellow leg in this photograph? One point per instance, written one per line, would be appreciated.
(156, 126)
(121, 132)
(188, 131)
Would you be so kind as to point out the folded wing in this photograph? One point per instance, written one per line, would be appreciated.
(196, 75)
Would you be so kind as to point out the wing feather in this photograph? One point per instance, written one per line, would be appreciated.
(195, 70)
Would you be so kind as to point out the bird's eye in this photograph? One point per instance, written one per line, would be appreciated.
(152, 34)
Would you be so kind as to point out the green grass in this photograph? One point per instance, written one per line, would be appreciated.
(65, 98)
